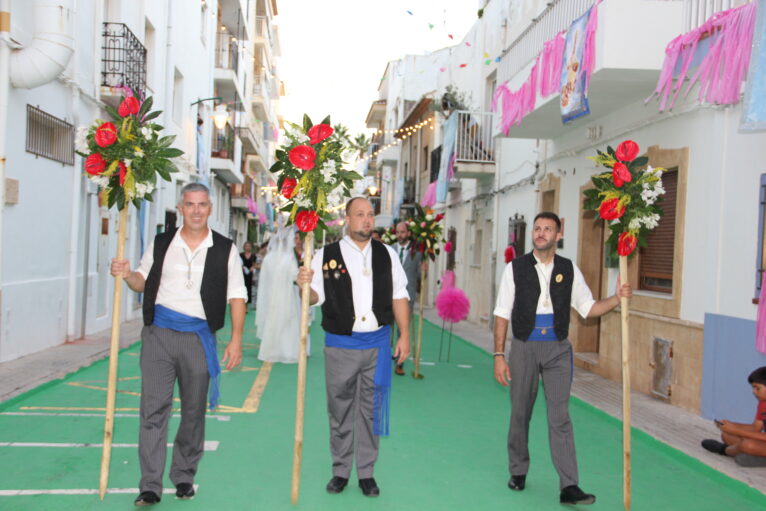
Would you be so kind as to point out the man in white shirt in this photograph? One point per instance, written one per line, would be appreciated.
(187, 277)
(535, 296)
(362, 289)
(411, 262)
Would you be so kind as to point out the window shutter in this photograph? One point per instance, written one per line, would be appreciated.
(656, 260)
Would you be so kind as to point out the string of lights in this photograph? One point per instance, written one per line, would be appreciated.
(400, 134)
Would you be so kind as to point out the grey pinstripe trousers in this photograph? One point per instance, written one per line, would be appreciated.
(553, 360)
(167, 355)
(350, 398)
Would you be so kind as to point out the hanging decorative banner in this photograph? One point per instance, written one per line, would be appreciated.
(574, 94)
(754, 110)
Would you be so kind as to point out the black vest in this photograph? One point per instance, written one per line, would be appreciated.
(338, 314)
(528, 292)
(215, 278)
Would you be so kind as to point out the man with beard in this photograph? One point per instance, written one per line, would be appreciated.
(535, 294)
(361, 286)
(411, 262)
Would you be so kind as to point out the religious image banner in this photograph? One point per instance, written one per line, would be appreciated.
(574, 96)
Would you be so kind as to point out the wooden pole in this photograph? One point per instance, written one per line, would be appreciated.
(416, 374)
(308, 247)
(625, 388)
(114, 348)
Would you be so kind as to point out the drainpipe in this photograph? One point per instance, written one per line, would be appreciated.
(169, 84)
(5, 67)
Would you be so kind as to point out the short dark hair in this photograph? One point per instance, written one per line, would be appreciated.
(550, 215)
(757, 376)
(350, 202)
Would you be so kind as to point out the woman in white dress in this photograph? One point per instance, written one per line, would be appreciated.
(278, 309)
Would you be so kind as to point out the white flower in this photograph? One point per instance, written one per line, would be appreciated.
(302, 201)
(127, 162)
(335, 197)
(81, 139)
(138, 152)
(143, 189)
(147, 132)
(429, 217)
(651, 221)
(102, 181)
(635, 224)
(328, 170)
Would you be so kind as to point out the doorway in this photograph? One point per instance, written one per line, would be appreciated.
(590, 259)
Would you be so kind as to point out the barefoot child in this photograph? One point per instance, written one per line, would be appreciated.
(744, 438)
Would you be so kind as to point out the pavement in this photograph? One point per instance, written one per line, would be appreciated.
(669, 464)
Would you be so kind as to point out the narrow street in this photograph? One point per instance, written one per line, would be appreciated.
(446, 449)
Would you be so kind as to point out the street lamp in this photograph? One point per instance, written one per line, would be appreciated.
(220, 116)
(373, 190)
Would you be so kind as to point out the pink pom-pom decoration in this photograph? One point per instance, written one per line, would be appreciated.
(510, 254)
(448, 247)
(448, 279)
(452, 304)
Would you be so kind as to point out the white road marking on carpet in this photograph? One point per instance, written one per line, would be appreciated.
(210, 445)
(221, 418)
(464, 366)
(19, 493)
(427, 363)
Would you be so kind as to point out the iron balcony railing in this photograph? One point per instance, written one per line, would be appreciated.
(474, 141)
(557, 16)
(226, 52)
(263, 29)
(123, 62)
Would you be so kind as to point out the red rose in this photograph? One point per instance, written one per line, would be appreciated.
(510, 254)
(627, 150)
(626, 243)
(611, 209)
(129, 106)
(306, 220)
(288, 185)
(621, 174)
(303, 157)
(439, 217)
(95, 164)
(319, 132)
(105, 135)
(123, 171)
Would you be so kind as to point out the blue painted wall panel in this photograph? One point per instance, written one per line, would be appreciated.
(728, 359)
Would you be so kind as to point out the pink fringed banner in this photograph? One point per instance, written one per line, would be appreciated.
(429, 197)
(545, 76)
(722, 70)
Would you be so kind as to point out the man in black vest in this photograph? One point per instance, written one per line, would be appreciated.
(536, 293)
(362, 289)
(187, 277)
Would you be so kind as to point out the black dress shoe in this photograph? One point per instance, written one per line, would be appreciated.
(336, 484)
(369, 488)
(184, 491)
(517, 482)
(574, 495)
(714, 446)
(147, 498)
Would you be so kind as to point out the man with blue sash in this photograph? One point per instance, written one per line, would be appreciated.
(535, 296)
(362, 288)
(188, 276)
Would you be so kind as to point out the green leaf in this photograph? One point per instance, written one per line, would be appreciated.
(326, 120)
(145, 107)
(152, 115)
(170, 152)
(112, 113)
(276, 167)
(306, 123)
(639, 162)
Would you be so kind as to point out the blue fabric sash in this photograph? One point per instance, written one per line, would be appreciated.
(363, 341)
(172, 320)
(543, 329)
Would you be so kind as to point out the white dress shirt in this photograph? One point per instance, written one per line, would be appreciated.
(402, 250)
(582, 299)
(173, 292)
(356, 261)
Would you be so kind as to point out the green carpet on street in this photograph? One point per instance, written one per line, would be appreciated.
(446, 450)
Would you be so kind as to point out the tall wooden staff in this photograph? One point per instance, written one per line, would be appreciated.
(626, 197)
(111, 389)
(416, 374)
(308, 247)
(123, 157)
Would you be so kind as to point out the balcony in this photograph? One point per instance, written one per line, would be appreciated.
(474, 145)
(377, 114)
(222, 155)
(227, 83)
(123, 62)
(261, 97)
(626, 68)
(250, 133)
(264, 38)
(239, 193)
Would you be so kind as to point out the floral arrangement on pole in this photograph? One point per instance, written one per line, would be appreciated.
(311, 174)
(123, 156)
(389, 236)
(626, 196)
(426, 232)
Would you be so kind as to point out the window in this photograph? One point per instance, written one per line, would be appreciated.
(517, 231)
(452, 238)
(178, 97)
(477, 239)
(49, 136)
(761, 261)
(655, 263)
(425, 158)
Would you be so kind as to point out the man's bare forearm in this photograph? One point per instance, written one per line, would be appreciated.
(238, 312)
(501, 332)
(402, 315)
(135, 281)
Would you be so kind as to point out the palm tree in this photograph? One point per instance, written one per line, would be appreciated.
(361, 144)
(341, 134)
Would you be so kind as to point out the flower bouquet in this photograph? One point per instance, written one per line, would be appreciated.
(626, 197)
(389, 236)
(314, 184)
(426, 232)
(311, 174)
(123, 157)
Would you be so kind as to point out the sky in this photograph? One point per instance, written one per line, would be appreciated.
(334, 52)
